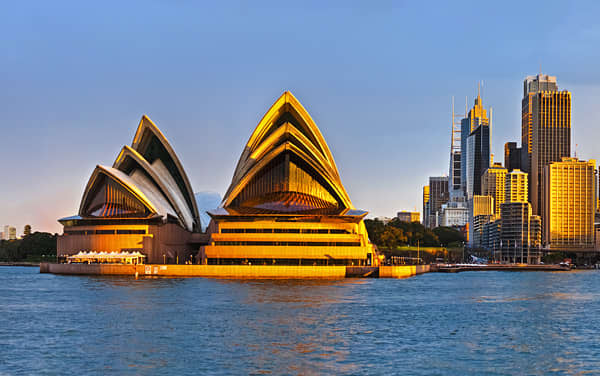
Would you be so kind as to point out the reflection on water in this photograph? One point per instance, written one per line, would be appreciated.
(467, 323)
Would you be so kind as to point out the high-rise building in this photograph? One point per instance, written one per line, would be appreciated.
(9, 233)
(481, 211)
(545, 130)
(27, 230)
(12, 233)
(493, 184)
(516, 233)
(5, 232)
(408, 216)
(438, 196)
(512, 156)
(516, 187)
(480, 149)
(569, 189)
(426, 205)
(478, 159)
(491, 235)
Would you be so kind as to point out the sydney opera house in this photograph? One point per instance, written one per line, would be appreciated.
(286, 204)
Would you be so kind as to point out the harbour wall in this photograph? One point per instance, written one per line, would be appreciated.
(227, 271)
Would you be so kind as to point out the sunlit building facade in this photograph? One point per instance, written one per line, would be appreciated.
(142, 203)
(425, 205)
(286, 204)
(568, 213)
(546, 130)
(476, 118)
(516, 187)
(493, 183)
(481, 211)
(408, 216)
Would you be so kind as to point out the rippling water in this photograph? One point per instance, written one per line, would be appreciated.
(495, 323)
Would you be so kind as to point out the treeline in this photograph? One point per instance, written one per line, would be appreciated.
(34, 247)
(397, 233)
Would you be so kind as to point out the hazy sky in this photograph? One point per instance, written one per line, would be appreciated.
(76, 77)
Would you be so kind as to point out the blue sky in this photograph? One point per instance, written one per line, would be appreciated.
(76, 77)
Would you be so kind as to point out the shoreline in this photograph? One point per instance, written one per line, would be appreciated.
(239, 271)
(28, 264)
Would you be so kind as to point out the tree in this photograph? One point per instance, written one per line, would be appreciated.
(392, 237)
(374, 228)
(449, 235)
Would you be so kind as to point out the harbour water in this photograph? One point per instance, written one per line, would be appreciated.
(496, 323)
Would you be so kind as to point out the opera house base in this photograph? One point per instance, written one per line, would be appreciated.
(236, 271)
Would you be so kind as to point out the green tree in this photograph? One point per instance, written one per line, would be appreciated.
(449, 235)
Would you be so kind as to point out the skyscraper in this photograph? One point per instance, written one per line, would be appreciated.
(545, 130)
(481, 211)
(493, 184)
(426, 205)
(569, 189)
(516, 187)
(516, 231)
(478, 158)
(438, 196)
(512, 156)
(476, 117)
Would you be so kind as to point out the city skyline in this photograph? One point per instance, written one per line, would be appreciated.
(53, 109)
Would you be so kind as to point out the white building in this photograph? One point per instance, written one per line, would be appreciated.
(454, 214)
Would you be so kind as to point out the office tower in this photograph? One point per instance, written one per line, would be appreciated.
(493, 184)
(426, 205)
(12, 233)
(491, 236)
(535, 232)
(569, 189)
(516, 187)
(476, 118)
(408, 216)
(456, 192)
(512, 156)
(481, 211)
(438, 195)
(515, 233)
(545, 130)
(478, 158)
(27, 230)
(5, 232)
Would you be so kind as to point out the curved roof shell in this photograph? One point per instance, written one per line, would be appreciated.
(151, 171)
(287, 132)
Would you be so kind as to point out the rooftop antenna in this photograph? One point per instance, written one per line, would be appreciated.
(576, 145)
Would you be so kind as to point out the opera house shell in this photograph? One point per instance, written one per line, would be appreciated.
(143, 203)
(286, 204)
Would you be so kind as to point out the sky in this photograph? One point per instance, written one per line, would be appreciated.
(377, 77)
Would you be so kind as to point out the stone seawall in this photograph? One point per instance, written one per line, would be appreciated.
(229, 271)
(403, 271)
(208, 271)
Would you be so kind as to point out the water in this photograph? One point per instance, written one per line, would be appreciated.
(496, 323)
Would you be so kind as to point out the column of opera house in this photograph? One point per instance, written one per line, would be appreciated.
(286, 204)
